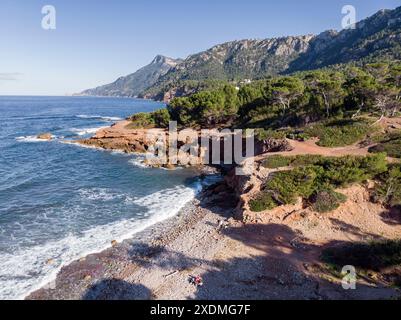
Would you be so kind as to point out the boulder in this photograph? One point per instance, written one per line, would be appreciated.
(272, 145)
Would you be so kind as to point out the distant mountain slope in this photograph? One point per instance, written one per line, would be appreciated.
(135, 83)
(244, 59)
(241, 59)
(377, 37)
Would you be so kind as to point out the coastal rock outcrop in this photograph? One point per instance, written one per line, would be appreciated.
(272, 145)
(118, 137)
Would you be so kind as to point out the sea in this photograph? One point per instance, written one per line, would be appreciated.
(60, 201)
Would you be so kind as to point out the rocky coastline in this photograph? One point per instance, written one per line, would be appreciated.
(240, 254)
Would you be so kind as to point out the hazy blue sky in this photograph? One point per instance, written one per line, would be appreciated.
(97, 41)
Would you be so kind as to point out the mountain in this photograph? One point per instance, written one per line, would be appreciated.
(236, 60)
(135, 83)
(241, 59)
(377, 37)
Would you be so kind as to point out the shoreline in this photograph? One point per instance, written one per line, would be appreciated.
(48, 282)
(146, 243)
(271, 255)
(275, 258)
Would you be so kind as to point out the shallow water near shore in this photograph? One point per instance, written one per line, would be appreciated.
(58, 201)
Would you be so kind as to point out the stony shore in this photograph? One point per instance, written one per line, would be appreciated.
(274, 258)
(239, 254)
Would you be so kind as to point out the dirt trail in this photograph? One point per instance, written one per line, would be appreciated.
(310, 147)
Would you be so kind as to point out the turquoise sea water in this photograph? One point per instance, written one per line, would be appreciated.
(60, 201)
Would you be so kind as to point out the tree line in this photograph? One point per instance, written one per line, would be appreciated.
(292, 100)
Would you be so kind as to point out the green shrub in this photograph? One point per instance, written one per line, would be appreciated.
(306, 159)
(206, 107)
(299, 136)
(390, 144)
(264, 201)
(277, 161)
(388, 189)
(368, 256)
(326, 200)
(141, 120)
(263, 134)
(161, 118)
(146, 120)
(342, 171)
(316, 174)
(288, 185)
(340, 133)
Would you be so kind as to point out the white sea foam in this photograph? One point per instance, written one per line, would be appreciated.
(99, 194)
(104, 118)
(32, 139)
(85, 131)
(111, 118)
(138, 162)
(80, 145)
(27, 270)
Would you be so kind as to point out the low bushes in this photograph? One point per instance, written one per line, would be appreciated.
(264, 201)
(298, 135)
(146, 120)
(315, 179)
(368, 256)
(388, 187)
(263, 134)
(287, 186)
(390, 144)
(278, 161)
(327, 200)
(340, 133)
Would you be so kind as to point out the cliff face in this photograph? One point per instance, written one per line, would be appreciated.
(135, 83)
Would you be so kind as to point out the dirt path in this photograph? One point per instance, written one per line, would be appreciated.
(310, 147)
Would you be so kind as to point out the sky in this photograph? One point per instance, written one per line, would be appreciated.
(97, 41)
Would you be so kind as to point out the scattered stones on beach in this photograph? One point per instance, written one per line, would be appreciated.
(114, 243)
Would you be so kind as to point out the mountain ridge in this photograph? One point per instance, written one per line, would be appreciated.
(378, 36)
(134, 83)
